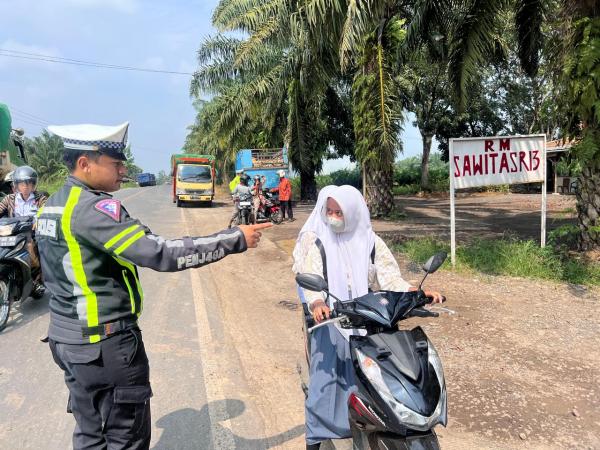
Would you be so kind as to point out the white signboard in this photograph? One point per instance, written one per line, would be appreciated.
(497, 160)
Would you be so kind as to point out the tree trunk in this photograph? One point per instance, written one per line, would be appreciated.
(223, 177)
(308, 186)
(427, 138)
(588, 207)
(379, 194)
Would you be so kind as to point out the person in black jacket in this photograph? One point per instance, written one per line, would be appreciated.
(90, 247)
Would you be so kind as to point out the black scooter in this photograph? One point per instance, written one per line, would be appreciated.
(401, 392)
(245, 209)
(16, 281)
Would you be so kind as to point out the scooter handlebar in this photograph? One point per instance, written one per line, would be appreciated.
(325, 322)
(422, 312)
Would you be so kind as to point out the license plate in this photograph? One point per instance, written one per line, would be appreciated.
(8, 241)
(245, 203)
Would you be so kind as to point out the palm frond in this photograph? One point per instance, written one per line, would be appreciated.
(355, 28)
(528, 17)
(473, 42)
(227, 10)
(251, 16)
(218, 47)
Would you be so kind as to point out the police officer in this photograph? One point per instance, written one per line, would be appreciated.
(89, 248)
(233, 183)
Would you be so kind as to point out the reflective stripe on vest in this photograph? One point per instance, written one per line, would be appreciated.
(140, 292)
(78, 274)
(120, 236)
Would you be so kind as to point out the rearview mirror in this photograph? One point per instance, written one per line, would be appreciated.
(311, 281)
(435, 262)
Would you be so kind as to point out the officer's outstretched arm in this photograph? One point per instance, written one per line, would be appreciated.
(129, 239)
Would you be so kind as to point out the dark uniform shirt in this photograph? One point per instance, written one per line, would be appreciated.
(7, 205)
(89, 248)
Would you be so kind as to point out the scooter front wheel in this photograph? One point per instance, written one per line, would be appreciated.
(5, 303)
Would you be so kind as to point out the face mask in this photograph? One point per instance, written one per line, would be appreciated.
(337, 225)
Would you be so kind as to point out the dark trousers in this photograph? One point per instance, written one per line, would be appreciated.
(286, 205)
(109, 391)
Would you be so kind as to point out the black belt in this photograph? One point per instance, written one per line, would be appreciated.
(106, 329)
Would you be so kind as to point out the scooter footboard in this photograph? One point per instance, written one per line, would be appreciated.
(428, 441)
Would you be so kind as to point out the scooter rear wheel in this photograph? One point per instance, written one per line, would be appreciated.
(5, 303)
(277, 217)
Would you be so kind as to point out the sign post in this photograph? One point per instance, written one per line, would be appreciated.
(495, 160)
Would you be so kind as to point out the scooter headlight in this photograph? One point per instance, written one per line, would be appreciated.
(406, 415)
(6, 230)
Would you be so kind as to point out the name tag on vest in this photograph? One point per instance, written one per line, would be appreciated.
(47, 227)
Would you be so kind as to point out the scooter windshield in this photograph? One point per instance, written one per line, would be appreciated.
(385, 307)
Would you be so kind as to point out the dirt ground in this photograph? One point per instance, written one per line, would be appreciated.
(521, 357)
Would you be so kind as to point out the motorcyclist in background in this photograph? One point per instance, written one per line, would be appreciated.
(257, 192)
(241, 188)
(26, 201)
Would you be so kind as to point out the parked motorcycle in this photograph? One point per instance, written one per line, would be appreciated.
(16, 281)
(245, 214)
(401, 392)
(270, 210)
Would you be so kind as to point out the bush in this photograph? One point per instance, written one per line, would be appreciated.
(51, 184)
(407, 189)
(352, 177)
(408, 173)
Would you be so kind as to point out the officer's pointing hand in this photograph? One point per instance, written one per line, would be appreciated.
(252, 233)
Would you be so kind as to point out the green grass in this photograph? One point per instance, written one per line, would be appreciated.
(50, 185)
(508, 256)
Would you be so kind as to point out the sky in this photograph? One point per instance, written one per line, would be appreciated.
(146, 34)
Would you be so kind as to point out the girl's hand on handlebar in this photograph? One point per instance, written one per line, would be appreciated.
(320, 311)
(435, 296)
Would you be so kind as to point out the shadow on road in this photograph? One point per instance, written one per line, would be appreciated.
(21, 313)
(189, 429)
(200, 205)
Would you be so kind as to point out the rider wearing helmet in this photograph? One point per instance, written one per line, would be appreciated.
(25, 201)
(241, 188)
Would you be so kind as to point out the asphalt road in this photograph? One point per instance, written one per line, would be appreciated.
(222, 371)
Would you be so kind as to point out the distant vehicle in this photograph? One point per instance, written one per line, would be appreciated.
(193, 178)
(263, 161)
(146, 179)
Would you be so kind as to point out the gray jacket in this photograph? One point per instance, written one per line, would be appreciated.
(89, 249)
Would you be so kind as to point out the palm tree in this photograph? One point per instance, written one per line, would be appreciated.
(276, 77)
(46, 155)
(580, 95)
(366, 36)
(425, 89)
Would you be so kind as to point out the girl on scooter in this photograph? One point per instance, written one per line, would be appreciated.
(357, 260)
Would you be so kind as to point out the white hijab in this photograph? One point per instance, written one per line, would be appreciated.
(348, 253)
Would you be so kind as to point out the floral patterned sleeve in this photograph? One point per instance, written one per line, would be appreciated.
(311, 263)
(385, 273)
